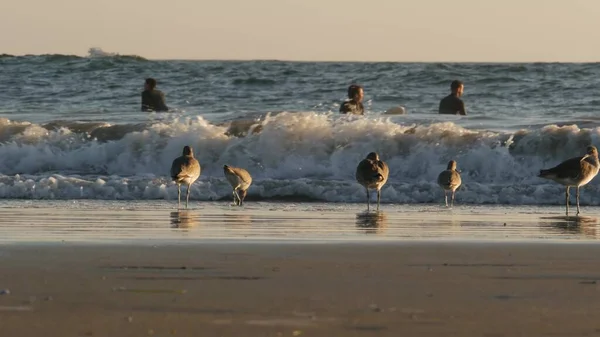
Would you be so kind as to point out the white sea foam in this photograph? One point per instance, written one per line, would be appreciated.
(296, 155)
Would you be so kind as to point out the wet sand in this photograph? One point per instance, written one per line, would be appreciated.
(284, 269)
(301, 289)
(125, 222)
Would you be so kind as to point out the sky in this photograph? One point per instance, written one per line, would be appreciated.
(309, 30)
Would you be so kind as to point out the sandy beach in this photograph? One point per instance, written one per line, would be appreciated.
(284, 269)
(344, 289)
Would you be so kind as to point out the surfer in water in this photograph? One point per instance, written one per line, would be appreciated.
(452, 104)
(353, 106)
(152, 98)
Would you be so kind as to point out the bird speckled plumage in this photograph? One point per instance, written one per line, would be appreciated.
(185, 170)
(576, 172)
(372, 173)
(240, 180)
(449, 180)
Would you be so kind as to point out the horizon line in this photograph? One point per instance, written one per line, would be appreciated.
(292, 60)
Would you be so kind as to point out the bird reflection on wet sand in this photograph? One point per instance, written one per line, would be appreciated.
(184, 219)
(371, 222)
(585, 225)
(235, 220)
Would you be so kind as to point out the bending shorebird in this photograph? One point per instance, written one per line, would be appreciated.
(185, 170)
(449, 180)
(372, 173)
(576, 172)
(240, 180)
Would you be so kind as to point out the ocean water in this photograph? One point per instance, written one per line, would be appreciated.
(71, 128)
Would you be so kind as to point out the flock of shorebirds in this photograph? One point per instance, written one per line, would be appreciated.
(372, 173)
(186, 169)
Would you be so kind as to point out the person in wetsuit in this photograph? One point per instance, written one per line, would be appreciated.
(353, 106)
(152, 98)
(452, 104)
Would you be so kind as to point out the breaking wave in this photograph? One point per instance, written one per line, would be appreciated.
(94, 54)
(298, 156)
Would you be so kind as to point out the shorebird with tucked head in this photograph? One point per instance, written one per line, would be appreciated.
(372, 173)
(240, 180)
(449, 180)
(576, 172)
(185, 170)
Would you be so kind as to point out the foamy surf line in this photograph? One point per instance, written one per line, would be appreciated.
(291, 156)
(152, 222)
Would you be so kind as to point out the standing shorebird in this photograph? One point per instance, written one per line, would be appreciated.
(240, 180)
(576, 172)
(372, 173)
(449, 180)
(185, 170)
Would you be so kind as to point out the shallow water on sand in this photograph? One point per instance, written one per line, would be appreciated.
(138, 222)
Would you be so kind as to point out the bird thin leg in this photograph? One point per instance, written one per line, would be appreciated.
(567, 199)
(178, 196)
(452, 204)
(235, 202)
(446, 198)
(368, 202)
(378, 198)
(577, 200)
(187, 197)
(239, 200)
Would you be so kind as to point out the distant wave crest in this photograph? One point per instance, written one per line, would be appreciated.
(93, 54)
(99, 53)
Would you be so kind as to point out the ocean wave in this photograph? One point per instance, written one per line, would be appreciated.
(253, 81)
(63, 58)
(39, 59)
(307, 155)
(99, 53)
(216, 188)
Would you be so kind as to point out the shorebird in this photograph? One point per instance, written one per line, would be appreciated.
(576, 172)
(185, 170)
(240, 180)
(449, 180)
(372, 173)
